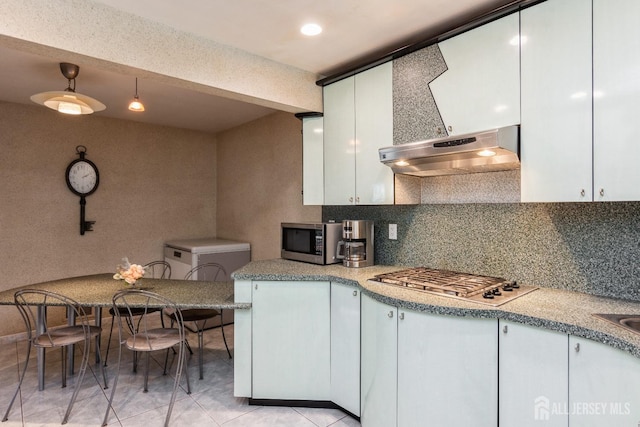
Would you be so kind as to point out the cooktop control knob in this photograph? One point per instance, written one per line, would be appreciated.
(496, 291)
(488, 295)
(515, 285)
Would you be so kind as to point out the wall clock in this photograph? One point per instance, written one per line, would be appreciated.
(82, 179)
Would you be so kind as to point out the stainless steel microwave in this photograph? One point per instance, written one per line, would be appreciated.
(311, 242)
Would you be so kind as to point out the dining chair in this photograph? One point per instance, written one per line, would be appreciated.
(196, 319)
(149, 336)
(154, 270)
(35, 306)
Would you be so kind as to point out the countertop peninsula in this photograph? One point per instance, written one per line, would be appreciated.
(98, 289)
(564, 311)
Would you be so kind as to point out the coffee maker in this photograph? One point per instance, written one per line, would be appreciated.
(356, 247)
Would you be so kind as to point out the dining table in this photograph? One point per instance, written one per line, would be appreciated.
(97, 291)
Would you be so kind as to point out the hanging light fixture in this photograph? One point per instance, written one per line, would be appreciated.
(68, 101)
(136, 105)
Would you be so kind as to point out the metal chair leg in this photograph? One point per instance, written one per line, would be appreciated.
(83, 370)
(24, 371)
(223, 335)
(106, 357)
(201, 352)
(146, 372)
(64, 366)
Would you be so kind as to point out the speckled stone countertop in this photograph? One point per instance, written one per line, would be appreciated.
(97, 290)
(563, 311)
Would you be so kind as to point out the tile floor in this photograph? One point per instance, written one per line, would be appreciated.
(211, 403)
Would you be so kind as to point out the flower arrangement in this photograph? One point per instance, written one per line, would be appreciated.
(128, 272)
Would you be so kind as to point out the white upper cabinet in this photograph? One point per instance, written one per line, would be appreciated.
(358, 119)
(339, 142)
(481, 88)
(616, 74)
(312, 161)
(556, 137)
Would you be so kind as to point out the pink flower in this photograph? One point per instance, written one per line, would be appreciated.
(128, 272)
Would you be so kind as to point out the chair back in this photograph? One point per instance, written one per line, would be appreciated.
(158, 270)
(31, 302)
(210, 271)
(146, 336)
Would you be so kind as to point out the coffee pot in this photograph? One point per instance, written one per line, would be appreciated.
(356, 247)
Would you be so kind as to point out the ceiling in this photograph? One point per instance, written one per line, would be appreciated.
(355, 32)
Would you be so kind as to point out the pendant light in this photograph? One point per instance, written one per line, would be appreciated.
(68, 101)
(136, 105)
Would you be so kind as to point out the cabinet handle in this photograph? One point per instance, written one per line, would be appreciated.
(357, 199)
(504, 330)
(602, 192)
(255, 286)
(450, 128)
(577, 347)
(350, 199)
(390, 314)
(582, 193)
(438, 131)
(355, 293)
(401, 316)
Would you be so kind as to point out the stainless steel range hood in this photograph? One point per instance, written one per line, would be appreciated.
(488, 151)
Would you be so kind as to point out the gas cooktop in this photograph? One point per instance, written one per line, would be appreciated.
(487, 290)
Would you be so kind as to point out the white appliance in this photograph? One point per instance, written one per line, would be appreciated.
(183, 255)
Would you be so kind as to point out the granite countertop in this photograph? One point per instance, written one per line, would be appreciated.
(98, 289)
(564, 311)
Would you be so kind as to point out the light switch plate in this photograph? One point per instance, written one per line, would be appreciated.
(393, 231)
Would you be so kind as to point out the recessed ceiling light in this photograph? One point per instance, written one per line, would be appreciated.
(311, 29)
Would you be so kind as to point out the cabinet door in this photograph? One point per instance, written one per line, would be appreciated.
(604, 385)
(339, 142)
(533, 375)
(616, 41)
(379, 364)
(291, 340)
(447, 370)
(374, 130)
(480, 89)
(242, 341)
(556, 135)
(345, 347)
(312, 161)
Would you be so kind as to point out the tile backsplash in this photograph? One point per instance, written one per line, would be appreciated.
(585, 247)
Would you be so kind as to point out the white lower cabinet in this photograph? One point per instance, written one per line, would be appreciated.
(345, 347)
(291, 340)
(422, 369)
(533, 376)
(379, 359)
(604, 385)
(447, 370)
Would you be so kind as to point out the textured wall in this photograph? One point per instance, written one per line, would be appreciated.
(260, 182)
(586, 247)
(156, 183)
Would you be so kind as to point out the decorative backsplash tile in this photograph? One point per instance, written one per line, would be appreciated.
(586, 247)
(415, 114)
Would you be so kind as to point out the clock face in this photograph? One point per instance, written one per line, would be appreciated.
(82, 177)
